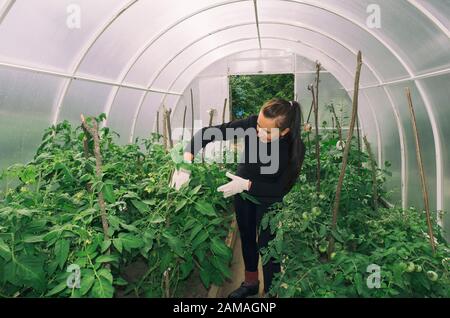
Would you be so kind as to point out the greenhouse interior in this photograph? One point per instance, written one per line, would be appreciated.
(104, 192)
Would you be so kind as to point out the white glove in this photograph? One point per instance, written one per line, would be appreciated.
(180, 177)
(340, 145)
(235, 186)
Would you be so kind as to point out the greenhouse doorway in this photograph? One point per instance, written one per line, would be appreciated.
(249, 92)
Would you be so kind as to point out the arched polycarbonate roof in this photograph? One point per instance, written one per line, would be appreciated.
(127, 58)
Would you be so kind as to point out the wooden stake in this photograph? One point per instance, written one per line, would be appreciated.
(345, 155)
(98, 169)
(157, 123)
(192, 115)
(374, 174)
(421, 170)
(224, 109)
(184, 122)
(336, 120)
(359, 145)
(164, 128)
(169, 128)
(316, 119)
(211, 116)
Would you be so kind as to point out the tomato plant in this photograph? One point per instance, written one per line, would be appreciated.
(394, 239)
(50, 220)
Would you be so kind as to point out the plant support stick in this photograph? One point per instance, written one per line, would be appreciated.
(421, 170)
(98, 169)
(192, 115)
(169, 128)
(374, 174)
(316, 115)
(345, 155)
(184, 123)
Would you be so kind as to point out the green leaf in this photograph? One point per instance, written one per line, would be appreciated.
(105, 245)
(33, 238)
(175, 243)
(200, 238)
(107, 258)
(220, 248)
(106, 274)
(186, 268)
(57, 289)
(62, 252)
(120, 282)
(205, 208)
(155, 219)
(102, 288)
(195, 231)
(205, 277)
(180, 205)
(118, 244)
(337, 236)
(222, 266)
(87, 280)
(249, 197)
(5, 252)
(108, 192)
(196, 189)
(129, 241)
(141, 206)
(359, 283)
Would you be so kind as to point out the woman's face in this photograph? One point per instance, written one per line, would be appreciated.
(267, 129)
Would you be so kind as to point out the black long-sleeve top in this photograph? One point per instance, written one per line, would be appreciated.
(266, 188)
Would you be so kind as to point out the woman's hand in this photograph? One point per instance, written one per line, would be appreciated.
(235, 186)
(181, 176)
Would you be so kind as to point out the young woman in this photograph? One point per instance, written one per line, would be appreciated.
(278, 122)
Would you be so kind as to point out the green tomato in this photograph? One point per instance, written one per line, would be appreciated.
(418, 268)
(322, 196)
(333, 255)
(410, 268)
(323, 248)
(305, 216)
(403, 266)
(315, 211)
(432, 276)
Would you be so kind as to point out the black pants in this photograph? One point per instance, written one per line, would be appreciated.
(249, 216)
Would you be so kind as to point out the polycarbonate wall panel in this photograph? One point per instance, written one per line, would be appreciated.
(330, 91)
(26, 101)
(146, 121)
(37, 32)
(213, 48)
(143, 22)
(390, 140)
(85, 98)
(418, 41)
(202, 32)
(414, 192)
(187, 73)
(438, 92)
(439, 8)
(122, 112)
(335, 50)
(342, 74)
(336, 27)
